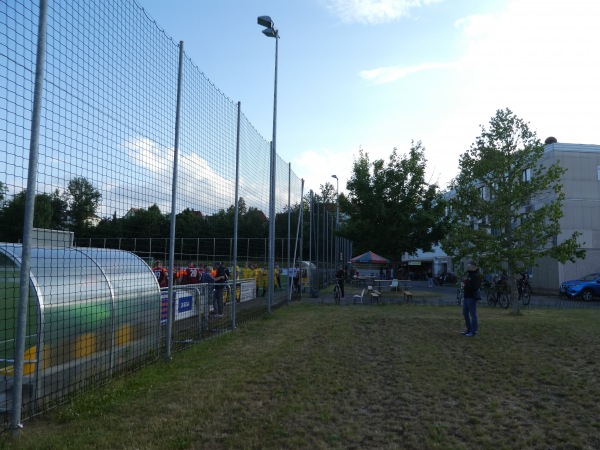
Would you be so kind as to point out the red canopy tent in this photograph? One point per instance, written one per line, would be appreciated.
(369, 258)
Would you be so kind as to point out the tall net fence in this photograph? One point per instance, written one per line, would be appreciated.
(100, 264)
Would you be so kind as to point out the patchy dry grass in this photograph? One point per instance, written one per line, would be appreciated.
(395, 376)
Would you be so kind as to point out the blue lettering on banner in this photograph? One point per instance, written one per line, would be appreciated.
(185, 304)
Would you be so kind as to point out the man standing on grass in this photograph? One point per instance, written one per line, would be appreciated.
(472, 285)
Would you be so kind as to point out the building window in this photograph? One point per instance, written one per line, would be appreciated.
(598, 170)
(527, 175)
(484, 191)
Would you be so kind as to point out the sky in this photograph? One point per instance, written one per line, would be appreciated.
(378, 74)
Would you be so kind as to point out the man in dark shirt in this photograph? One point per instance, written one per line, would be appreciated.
(472, 286)
(220, 282)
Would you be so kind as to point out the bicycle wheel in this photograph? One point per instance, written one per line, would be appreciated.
(492, 299)
(503, 300)
(525, 297)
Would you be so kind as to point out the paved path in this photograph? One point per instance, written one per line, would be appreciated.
(437, 295)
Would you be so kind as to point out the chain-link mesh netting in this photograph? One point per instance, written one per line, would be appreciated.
(101, 243)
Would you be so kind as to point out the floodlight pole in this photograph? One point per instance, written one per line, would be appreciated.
(271, 31)
(337, 220)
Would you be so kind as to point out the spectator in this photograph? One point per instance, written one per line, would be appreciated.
(220, 282)
(277, 275)
(257, 277)
(207, 278)
(296, 279)
(161, 274)
(247, 272)
(192, 274)
(265, 279)
(429, 278)
(340, 275)
(472, 292)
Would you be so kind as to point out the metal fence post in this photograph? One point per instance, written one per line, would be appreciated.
(17, 395)
(235, 218)
(174, 207)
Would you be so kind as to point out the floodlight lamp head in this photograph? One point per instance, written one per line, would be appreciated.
(334, 176)
(270, 32)
(265, 21)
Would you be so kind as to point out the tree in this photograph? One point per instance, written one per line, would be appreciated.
(327, 196)
(506, 205)
(390, 208)
(49, 211)
(3, 192)
(82, 199)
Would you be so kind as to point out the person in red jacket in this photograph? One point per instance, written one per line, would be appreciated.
(192, 274)
(161, 274)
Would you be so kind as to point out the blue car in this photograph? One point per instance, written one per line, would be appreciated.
(586, 287)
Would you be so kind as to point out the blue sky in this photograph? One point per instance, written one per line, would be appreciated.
(376, 74)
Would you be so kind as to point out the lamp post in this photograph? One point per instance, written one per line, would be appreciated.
(271, 31)
(337, 219)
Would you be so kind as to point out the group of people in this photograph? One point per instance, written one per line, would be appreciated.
(215, 276)
(261, 276)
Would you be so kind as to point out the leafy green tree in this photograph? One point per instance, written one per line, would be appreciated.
(3, 192)
(82, 200)
(391, 208)
(147, 223)
(189, 224)
(49, 212)
(506, 205)
(327, 196)
(254, 224)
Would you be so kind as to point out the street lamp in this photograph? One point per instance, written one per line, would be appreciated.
(271, 31)
(337, 218)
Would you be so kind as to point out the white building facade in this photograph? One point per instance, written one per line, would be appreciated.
(581, 208)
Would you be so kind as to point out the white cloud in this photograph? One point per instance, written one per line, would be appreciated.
(374, 11)
(317, 166)
(476, 25)
(193, 171)
(539, 59)
(384, 75)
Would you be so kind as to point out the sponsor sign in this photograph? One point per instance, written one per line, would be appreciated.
(183, 305)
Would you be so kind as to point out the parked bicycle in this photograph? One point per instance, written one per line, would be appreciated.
(497, 295)
(524, 290)
(337, 292)
(460, 294)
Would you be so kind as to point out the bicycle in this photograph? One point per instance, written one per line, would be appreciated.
(337, 293)
(524, 292)
(497, 296)
(460, 294)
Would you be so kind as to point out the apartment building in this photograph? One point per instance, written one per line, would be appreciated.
(581, 207)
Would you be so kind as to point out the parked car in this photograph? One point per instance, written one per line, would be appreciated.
(586, 287)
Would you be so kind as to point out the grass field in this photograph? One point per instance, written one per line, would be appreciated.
(394, 376)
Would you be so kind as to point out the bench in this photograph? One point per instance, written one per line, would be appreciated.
(375, 295)
(407, 295)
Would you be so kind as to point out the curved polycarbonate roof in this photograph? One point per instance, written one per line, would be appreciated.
(77, 274)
